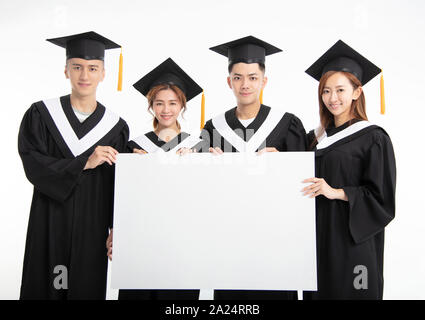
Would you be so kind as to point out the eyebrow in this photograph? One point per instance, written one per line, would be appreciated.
(339, 86)
(164, 100)
(90, 65)
(250, 74)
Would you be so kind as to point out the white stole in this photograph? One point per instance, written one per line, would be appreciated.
(79, 146)
(146, 144)
(221, 125)
(325, 141)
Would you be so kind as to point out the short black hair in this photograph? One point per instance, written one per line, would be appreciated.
(67, 60)
(260, 64)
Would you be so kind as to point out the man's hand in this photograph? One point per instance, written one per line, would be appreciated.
(139, 151)
(101, 155)
(184, 151)
(215, 150)
(262, 151)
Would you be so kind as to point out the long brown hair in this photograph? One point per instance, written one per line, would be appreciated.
(358, 106)
(151, 96)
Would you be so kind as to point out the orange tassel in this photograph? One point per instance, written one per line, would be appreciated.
(261, 96)
(382, 93)
(120, 73)
(203, 110)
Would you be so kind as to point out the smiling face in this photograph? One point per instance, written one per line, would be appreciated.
(84, 75)
(338, 94)
(246, 81)
(166, 108)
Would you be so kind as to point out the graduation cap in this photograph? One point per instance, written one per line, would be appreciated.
(341, 57)
(169, 72)
(89, 46)
(248, 50)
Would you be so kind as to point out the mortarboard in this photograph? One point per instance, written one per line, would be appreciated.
(341, 57)
(248, 49)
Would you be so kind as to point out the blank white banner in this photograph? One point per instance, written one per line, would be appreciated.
(200, 221)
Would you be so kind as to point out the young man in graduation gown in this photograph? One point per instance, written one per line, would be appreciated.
(68, 147)
(251, 126)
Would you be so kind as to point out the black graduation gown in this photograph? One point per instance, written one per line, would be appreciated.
(351, 233)
(147, 294)
(288, 135)
(71, 209)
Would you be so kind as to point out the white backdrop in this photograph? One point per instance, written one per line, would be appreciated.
(389, 33)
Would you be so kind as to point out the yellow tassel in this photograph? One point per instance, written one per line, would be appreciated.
(203, 110)
(261, 96)
(382, 93)
(120, 73)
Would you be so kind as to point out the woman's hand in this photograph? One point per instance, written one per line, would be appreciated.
(320, 187)
(215, 150)
(184, 151)
(139, 151)
(109, 244)
(262, 151)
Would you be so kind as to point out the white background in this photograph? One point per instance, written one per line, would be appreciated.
(389, 33)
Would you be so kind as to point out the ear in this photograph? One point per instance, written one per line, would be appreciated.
(265, 79)
(357, 93)
(229, 82)
(103, 75)
(66, 71)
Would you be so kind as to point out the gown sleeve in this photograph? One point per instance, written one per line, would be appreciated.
(55, 177)
(202, 146)
(121, 144)
(130, 146)
(296, 137)
(372, 204)
(311, 140)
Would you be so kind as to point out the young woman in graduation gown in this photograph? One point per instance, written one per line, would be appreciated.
(355, 180)
(69, 157)
(167, 89)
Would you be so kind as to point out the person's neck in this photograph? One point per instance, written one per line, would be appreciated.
(85, 104)
(167, 133)
(339, 121)
(247, 111)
